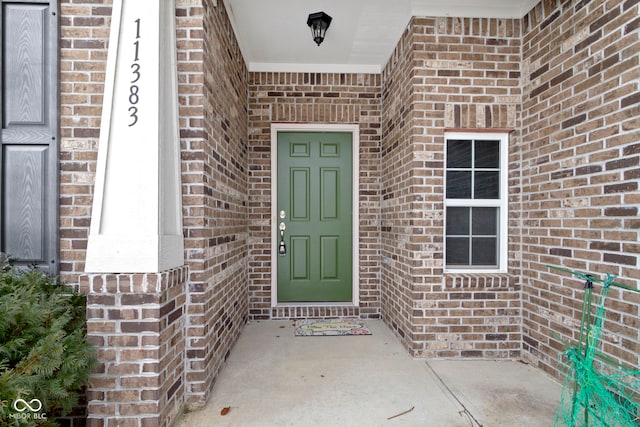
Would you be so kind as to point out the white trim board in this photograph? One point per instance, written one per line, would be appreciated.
(354, 129)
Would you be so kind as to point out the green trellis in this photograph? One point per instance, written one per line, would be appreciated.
(598, 390)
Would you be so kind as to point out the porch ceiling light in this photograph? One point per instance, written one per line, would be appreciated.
(318, 22)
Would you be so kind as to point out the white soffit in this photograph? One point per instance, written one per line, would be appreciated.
(473, 8)
(274, 36)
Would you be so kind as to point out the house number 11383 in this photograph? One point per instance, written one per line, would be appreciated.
(135, 69)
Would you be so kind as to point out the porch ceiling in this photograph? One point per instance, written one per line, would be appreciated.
(273, 34)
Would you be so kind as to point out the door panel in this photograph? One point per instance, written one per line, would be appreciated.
(300, 258)
(299, 194)
(315, 191)
(29, 133)
(329, 257)
(24, 213)
(24, 65)
(329, 194)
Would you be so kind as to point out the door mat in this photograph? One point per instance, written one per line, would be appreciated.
(331, 327)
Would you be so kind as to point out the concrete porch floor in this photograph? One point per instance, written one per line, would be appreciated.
(273, 378)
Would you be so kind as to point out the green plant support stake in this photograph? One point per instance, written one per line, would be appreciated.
(598, 391)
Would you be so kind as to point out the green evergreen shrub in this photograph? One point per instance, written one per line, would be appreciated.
(44, 353)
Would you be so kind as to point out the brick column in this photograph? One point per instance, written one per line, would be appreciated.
(137, 322)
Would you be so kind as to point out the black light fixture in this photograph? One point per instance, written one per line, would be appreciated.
(318, 22)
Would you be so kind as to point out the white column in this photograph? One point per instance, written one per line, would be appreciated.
(136, 221)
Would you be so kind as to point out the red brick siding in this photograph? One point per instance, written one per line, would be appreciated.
(580, 170)
(137, 323)
(397, 179)
(213, 122)
(213, 87)
(312, 98)
(446, 73)
(565, 77)
(84, 35)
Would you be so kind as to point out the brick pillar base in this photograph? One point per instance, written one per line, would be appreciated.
(137, 322)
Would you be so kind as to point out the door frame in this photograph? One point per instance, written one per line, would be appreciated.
(354, 129)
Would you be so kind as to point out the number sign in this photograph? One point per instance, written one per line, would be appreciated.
(134, 89)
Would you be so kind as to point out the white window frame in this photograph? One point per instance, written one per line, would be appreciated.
(502, 203)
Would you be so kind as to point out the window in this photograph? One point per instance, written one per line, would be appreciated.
(476, 201)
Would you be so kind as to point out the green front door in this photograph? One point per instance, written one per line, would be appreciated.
(315, 209)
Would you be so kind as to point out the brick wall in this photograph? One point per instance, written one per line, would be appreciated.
(397, 181)
(580, 170)
(565, 77)
(213, 84)
(213, 123)
(84, 35)
(312, 98)
(446, 73)
(137, 323)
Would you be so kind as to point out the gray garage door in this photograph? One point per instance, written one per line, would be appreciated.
(29, 133)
